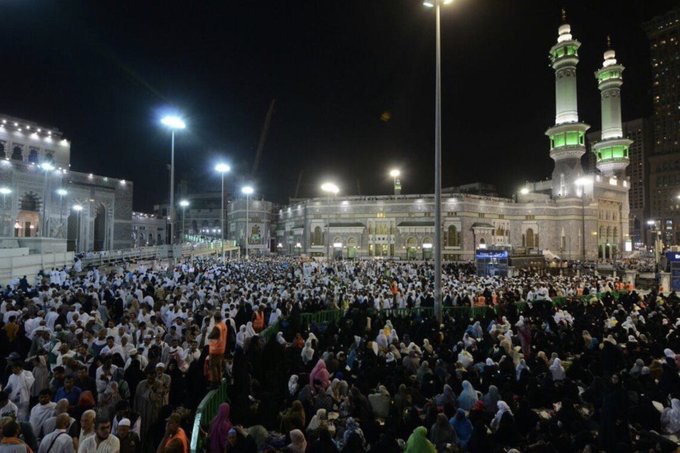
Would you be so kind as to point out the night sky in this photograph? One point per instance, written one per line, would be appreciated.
(353, 82)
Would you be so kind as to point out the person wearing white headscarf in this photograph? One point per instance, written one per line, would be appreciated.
(241, 337)
(557, 370)
(307, 352)
(293, 385)
(274, 317)
(381, 340)
(670, 417)
(521, 366)
(280, 339)
(502, 409)
(250, 331)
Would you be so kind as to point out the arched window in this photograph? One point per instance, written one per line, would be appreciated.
(615, 234)
(317, 236)
(2, 151)
(453, 237)
(17, 153)
(33, 156)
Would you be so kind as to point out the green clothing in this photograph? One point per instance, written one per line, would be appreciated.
(418, 442)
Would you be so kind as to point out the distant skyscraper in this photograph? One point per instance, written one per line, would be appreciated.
(664, 164)
(664, 39)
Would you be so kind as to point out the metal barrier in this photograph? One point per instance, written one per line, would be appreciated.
(205, 412)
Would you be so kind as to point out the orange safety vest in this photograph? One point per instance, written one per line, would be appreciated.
(182, 437)
(219, 345)
(579, 291)
(258, 323)
(394, 288)
(481, 301)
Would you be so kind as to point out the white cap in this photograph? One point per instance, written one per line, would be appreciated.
(124, 422)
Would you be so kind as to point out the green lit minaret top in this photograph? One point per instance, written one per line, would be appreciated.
(567, 136)
(612, 150)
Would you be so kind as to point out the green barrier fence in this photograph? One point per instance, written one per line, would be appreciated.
(205, 412)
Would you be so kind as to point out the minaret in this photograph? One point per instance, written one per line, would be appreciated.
(567, 143)
(612, 150)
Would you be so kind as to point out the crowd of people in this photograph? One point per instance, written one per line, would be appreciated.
(118, 359)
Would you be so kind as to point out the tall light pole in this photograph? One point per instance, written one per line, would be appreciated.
(4, 191)
(247, 191)
(183, 204)
(46, 167)
(222, 168)
(331, 190)
(436, 4)
(78, 208)
(173, 123)
(395, 173)
(61, 193)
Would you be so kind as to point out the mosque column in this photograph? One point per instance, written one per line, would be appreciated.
(567, 136)
(612, 150)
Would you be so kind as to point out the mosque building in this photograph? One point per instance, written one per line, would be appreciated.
(574, 215)
(49, 209)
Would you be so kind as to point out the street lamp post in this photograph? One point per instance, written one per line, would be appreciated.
(222, 169)
(47, 167)
(330, 189)
(78, 208)
(247, 191)
(4, 191)
(183, 204)
(437, 158)
(61, 193)
(173, 123)
(395, 173)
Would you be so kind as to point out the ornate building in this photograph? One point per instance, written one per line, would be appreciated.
(574, 215)
(48, 207)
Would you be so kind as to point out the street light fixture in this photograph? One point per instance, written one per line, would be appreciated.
(395, 173)
(247, 191)
(4, 191)
(222, 168)
(436, 4)
(78, 208)
(173, 123)
(61, 193)
(183, 204)
(331, 189)
(46, 167)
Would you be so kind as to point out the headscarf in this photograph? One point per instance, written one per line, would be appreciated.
(462, 425)
(637, 368)
(557, 370)
(502, 409)
(521, 366)
(280, 339)
(293, 384)
(219, 429)
(446, 397)
(491, 398)
(467, 397)
(321, 374)
(298, 443)
(418, 442)
(319, 417)
(241, 337)
(307, 352)
(670, 417)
